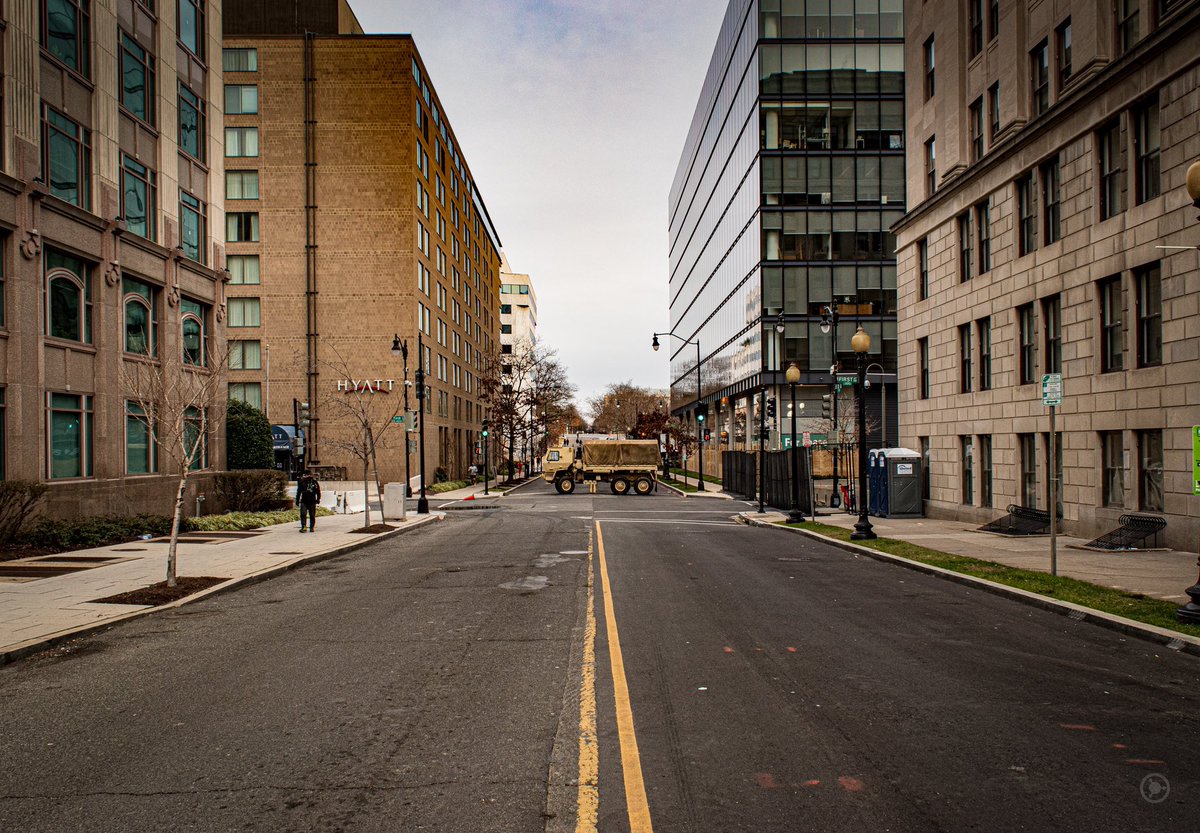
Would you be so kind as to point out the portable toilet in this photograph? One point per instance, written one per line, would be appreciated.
(900, 492)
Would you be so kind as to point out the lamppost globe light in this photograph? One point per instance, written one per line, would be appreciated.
(780, 324)
(1193, 182)
(654, 344)
(861, 341)
(793, 373)
(826, 326)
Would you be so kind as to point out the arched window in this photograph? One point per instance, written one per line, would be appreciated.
(68, 298)
(141, 317)
(195, 332)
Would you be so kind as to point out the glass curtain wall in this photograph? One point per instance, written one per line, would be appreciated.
(831, 145)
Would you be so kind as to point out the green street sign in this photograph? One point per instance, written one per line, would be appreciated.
(846, 380)
(1052, 389)
(398, 419)
(1196, 459)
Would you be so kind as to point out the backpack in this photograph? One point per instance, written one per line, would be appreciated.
(308, 488)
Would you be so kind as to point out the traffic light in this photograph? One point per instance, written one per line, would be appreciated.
(771, 408)
(303, 416)
(478, 449)
(707, 435)
(827, 406)
(410, 421)
(485, 428)
(701, 412)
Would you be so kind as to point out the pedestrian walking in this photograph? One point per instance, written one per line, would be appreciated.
(308, 495)
(473, 473)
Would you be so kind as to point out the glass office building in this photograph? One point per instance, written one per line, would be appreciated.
(790, 179)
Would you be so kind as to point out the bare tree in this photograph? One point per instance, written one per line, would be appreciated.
(549, 396)
(176, 397)
(616, 410)
(367, 404)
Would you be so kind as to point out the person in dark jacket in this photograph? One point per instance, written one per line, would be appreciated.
(308, 495)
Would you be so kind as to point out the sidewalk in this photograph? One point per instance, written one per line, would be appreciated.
(1162, 574)
(35, 612)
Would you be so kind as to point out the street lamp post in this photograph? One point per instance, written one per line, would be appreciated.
(829, 324)
(423, 501)
(883, 443)
(400, 350)
(699, 416)
(797, 514)
(862, 529)
(486, 458)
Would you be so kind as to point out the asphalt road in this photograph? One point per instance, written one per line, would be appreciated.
(441, 681)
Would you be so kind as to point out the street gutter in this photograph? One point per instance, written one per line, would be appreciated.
(41, 643)
(1172, 640)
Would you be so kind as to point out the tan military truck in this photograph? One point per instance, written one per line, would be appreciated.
(626, 465)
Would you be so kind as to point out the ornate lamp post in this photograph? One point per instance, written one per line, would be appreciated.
(829, 324)
(883, 393)
(699, 413)
(861, 342)
(423, 501)
(796, 515)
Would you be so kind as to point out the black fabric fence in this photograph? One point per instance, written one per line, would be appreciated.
(740, 476)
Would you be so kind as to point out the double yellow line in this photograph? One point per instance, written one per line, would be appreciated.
(637, 808)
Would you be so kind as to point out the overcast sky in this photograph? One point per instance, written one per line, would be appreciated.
(572, 115)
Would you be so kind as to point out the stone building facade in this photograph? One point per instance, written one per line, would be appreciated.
(110, 147)
(352, 218)
(1049, 232)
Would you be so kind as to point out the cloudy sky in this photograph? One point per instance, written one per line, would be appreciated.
(572, 115)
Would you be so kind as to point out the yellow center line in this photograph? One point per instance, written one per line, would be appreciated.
(631, 760)
(588, 800)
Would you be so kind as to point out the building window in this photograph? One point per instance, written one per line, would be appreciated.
(241, 185)
(923, 261)
(1149, 315)
(248, 392)
(1127, 24)
(194, 328)
(1062, 38)
(141, 444)
(1051, 201)
(1039, 78)
(1027, 208)
(1146, 147)
(975, 25)
(137, 79)
(66, 32)
(243, 269)
(964, 359)
(193, 227)
(245, 355)
(1112, 180)
(1027, 448)
(239, 60)
(993, 111)
(1111, 353)
(929, 68)
(191, 26)
(1150, 470)
(70, 433)
(192, 131)
(241, 227)
(195, 438)
(68, 298)
(66, 158)
(245, 312)
(993, 19)
(923, 360)
(241, 99)
(241, 141)
(983, 224)
(984, 327)
(139, 197)
(966, 259)
(1025, 344)
(967, 448)
(1052, 326)
(931, 166)
(141, 317)
(985, 470)
(976, 119)
(1112, 445)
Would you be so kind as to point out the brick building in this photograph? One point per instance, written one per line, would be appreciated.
(110, 144)
(352, 217)
(1047, 149)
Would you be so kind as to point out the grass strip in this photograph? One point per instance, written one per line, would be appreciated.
(681, 486)
(1134, 606)
(237, 521)
(692, 474)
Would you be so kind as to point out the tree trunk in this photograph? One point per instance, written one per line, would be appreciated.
(512, 445)
(375, 468)
(175, 522)
(366, 493)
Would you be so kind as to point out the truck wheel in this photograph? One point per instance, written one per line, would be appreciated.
(643, 485)
(620, 486)
(564, 485)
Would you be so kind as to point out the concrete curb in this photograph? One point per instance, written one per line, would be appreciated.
(41, 643)
(1172, 640)
(705, 494)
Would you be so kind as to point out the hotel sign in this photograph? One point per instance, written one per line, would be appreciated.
(366, 385)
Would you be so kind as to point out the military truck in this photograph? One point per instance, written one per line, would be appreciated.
(626, 465)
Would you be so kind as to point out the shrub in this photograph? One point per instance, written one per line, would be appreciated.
(18, 500)
(446, 486)
(248, 443)
(63, 534)
(440, 475)
(237, 521)
(250, 490)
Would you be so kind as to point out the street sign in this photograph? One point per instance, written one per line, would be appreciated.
(1196, 459)
(846, 380)
(787, 442)
(1052, 389)
(398, 419)
(807, 439)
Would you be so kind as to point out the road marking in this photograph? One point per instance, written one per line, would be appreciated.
(667, 521)
(588, 801)
(636, 805)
